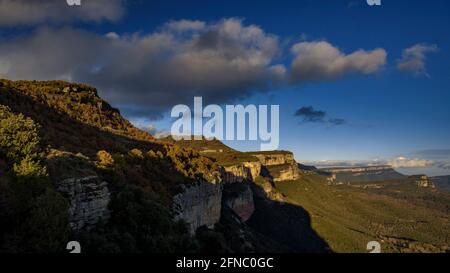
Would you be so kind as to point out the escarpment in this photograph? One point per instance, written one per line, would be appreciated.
(246, 171)
(280, 165)
(274, 157)
(115, 178)
(88, 194)
(362, 173)
(89, 198)
(199, 205)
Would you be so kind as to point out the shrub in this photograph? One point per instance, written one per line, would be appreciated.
(105, 159)
(19, 136)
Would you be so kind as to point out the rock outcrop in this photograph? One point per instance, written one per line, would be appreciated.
(280, 165)
(246, 171)
(423, 181)
(285, 172)
(274, 158)
(89, 198)
(198, 205)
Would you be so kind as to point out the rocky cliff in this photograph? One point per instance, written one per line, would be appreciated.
(284, 172)
(198, 205)
(278, 165)
(423, 181)
(89, 198)
(246, 171)
(274, 157)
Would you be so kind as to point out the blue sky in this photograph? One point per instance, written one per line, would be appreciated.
(391, 114)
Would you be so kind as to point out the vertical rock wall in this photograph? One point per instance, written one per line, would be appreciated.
(89, 198)
(199, 205)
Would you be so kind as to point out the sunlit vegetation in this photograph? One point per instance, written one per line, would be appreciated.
(398, 215)
(215, 150)
(56, 130)
(33, 216)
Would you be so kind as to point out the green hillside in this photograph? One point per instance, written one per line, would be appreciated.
(398, 215)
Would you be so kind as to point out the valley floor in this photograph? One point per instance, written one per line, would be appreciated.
(399, 216)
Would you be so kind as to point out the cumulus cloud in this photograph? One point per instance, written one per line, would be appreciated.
(220, 61)
(309, 114)
(31, 12)
(317, 61)
(147, 73)
(403, 162)
(414, 58)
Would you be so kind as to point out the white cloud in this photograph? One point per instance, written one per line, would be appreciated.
(413, 58)
(220, 61)
(316, 61)
(32, 12)
(112, 35)
(403, 162)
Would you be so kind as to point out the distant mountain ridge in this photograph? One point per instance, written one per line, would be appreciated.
(363, 173)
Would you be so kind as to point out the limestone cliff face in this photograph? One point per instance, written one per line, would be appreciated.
(287, 172)
(281, 165)
(198, 205)
(89, 198)
(239, 198)
(423, 181)
(201, 204)
(241, 172)
(273, 158)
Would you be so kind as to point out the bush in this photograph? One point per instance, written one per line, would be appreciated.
(19, 136)
(105, 159)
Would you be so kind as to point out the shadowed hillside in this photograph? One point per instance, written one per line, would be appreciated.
(72, 168)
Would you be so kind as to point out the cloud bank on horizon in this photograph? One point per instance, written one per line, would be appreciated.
(398, 162)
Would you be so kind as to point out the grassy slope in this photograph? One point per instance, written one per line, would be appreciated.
(348, 217)
(223, 154)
